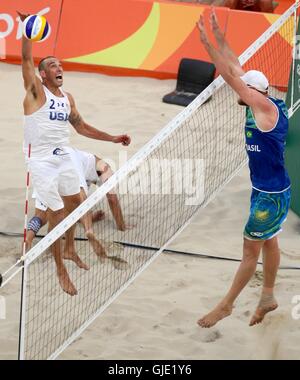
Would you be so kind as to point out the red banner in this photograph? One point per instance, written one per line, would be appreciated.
(129, 37)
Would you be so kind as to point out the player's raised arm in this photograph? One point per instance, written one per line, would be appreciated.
(223, 65)
(223, 45)
(86, 130)
(249, 96)
(31, 81)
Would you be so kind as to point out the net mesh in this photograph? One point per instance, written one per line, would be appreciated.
(158, 197)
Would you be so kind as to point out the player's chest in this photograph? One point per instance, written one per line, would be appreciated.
(58, 109)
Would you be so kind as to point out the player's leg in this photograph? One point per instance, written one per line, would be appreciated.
(69, 190)
(87, 222)
(34, 225)
(54, 218)
(253, 242)
(70, 203)
(271, 261)
(116, 211)
(44, 176)
(105, 172)
(269, 213)
(251, 251)
(84, 165)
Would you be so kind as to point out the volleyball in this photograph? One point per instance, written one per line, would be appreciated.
(36, 28)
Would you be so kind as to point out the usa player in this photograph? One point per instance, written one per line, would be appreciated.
(47, 110)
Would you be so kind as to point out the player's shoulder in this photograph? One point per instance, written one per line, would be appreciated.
(281, 104)
(278, 101)
(70, 97)
(263, 102)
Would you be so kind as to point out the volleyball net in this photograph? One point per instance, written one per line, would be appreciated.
(160, 189)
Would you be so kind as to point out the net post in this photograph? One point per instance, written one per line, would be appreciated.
(24, 269)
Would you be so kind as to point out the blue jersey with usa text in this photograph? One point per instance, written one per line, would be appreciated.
(266, 151)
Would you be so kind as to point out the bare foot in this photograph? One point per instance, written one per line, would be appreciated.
(66, 283)
(97, 216)
(72, 255)
(220, 311)
(97, 247)
(266, 304)
(124, 227)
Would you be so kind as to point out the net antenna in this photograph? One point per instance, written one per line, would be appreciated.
(23, 298)
(295, 101)
(162, 187)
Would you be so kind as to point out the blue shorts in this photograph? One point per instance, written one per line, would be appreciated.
(267, 213)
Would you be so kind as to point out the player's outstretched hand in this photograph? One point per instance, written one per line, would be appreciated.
(214, 24)
(202, 31)
(213, 20)
(122, 139)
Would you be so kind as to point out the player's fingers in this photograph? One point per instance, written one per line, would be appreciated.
(202, 22)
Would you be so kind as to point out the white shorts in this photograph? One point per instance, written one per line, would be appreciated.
(53, 177)
(38, 204)
(85, 164)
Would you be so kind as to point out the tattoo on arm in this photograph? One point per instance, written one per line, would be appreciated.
(75, 119)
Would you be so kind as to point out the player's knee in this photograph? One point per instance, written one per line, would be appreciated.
(271, 243)
(55, 217)
(251, 250)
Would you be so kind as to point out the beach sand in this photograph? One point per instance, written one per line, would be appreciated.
(155, 318)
